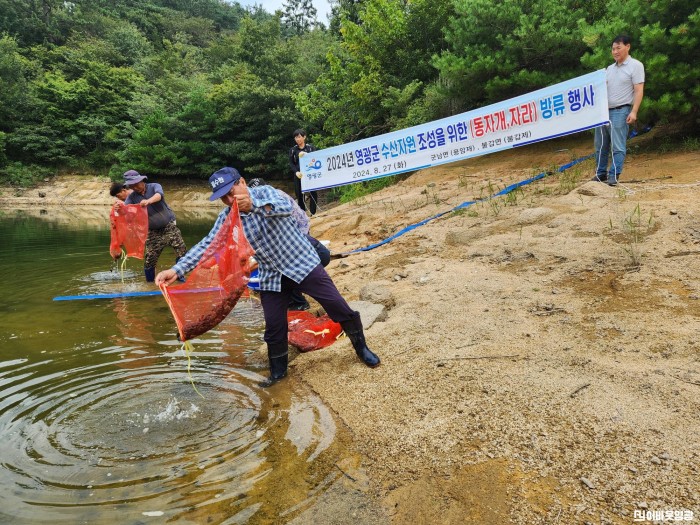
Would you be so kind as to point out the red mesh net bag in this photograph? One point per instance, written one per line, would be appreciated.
(217, 282)
(129, 226)
(308, 332)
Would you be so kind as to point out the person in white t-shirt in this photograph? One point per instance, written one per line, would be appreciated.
(625, 85)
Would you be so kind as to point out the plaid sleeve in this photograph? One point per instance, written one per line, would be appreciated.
(188, 261)
(264, 195)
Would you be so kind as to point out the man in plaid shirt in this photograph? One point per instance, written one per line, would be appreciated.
(286, 262)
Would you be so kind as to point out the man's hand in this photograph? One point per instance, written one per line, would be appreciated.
(299, 175)
(245, 204)
(166, 277)
(632, 117)
(144, 203)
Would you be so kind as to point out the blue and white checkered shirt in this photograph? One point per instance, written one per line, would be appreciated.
(280, 248)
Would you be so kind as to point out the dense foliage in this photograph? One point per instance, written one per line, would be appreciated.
(182, 87)
(666, 38)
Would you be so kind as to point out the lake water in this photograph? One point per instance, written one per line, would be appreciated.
(99, 422)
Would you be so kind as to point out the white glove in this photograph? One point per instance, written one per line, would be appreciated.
(299, 175)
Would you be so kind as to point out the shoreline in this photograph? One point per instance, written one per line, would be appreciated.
(91, 191)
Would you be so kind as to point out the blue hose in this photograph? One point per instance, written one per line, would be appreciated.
(130, 294)
(105, 296)
(466, 204)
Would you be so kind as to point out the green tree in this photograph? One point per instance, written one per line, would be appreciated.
(299, 16)
(73, 109)
(378, 70)
(501, 49)
(262, 46)
(13, 95)
(306, 56)
(344, 11)
(151, 150)
(86, 83)
(665, 37)
(254, 123)
(108, 40)
(40, 144)
(33, 22)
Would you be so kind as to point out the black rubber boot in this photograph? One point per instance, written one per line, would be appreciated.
(150, 274)
(278, 357)
(296, 307)
(298, 302)
(353, 329)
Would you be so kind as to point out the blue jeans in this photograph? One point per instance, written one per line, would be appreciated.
(612, 137)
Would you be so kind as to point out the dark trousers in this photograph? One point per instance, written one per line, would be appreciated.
(319, 285)
(313, 196)
(325, 256)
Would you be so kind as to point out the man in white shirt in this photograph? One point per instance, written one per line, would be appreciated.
(625, 84)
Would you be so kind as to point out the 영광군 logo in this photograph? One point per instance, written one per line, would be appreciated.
(314, 164)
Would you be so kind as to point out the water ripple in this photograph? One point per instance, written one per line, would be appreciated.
(108, 441)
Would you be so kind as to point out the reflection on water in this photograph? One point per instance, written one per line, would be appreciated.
(98, 418)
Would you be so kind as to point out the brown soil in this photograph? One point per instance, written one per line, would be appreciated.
(539, 339)
(541, 364)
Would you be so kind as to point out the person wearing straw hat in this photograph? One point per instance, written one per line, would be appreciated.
(162, 230)
(286, 262)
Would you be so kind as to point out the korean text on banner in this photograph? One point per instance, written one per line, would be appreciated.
(569, 107)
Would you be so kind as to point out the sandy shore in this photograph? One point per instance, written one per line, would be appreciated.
(541, 362)
(540, 355)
